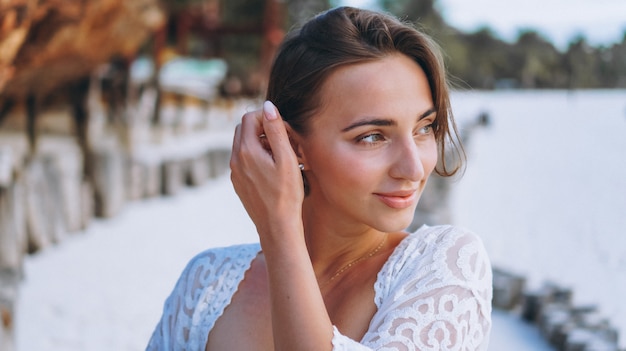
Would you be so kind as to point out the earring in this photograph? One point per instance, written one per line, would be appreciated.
(301, 166)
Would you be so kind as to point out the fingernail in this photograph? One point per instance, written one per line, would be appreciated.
(269, 110)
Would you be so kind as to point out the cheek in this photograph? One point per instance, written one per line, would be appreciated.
(429, 158)
(349, 167)
(343, 168)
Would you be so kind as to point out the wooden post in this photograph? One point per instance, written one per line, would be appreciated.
(507, 289)
(218, 162)
(54, 199)
(69, 169)
(197, 170)
(12, 246)
(152, 180)
(12, 227)
(109, 189)
(172, 177)
(37, 193)
(9, 286)
(134, 175)
(87, 207)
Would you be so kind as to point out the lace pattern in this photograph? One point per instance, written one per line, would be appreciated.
(433, 293)
(200, 296)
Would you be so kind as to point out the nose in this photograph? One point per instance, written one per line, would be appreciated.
(408, 161)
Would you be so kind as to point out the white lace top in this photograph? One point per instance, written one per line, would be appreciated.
(433, 293)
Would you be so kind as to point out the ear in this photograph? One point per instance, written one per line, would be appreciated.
(295, 140)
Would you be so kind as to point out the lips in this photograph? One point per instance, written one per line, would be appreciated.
(398, 199)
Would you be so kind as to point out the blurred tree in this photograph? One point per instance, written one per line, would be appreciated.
(456, 53)
(581, 64)
(537, 61)
(301, 10)
(421, 12)
(618, 52)
(483, 61)
(487, 59)
(613, 64)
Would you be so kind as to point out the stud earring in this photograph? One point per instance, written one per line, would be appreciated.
(301, 166)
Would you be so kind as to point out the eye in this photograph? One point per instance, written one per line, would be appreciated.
(371, 138)
(425, 130)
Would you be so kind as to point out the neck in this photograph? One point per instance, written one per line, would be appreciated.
(332, 244)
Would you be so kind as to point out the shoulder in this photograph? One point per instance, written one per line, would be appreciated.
(442, 255)
(201, 292)
(436, 276)
(226, 252)
(210, 266)
(215, 260)
(437, 243)
(444, 243)
(443, 236)
(210, 272)
(460, 255)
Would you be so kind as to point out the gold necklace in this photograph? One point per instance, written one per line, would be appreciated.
(352, 263)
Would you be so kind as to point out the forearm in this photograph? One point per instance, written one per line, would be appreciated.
(269, 183)
(299, 317)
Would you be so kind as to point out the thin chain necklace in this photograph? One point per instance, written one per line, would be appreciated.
(352, 263)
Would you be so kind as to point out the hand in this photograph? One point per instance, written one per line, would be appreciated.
(264, 170)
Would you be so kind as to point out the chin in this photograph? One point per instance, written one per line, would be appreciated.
(393, 224)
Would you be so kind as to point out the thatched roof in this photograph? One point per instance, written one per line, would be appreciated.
(46, 43)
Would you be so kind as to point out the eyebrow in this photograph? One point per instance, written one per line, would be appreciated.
(382, 122)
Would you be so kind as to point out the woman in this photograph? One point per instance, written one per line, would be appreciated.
(330, 174)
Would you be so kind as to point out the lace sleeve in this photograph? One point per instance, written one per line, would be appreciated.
(203, 290)
(162, 337)
(172, 331)
(437, 296)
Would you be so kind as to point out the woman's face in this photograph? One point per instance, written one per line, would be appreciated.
(371, 147)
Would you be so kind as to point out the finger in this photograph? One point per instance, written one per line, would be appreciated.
(252, 133)
(277, 134)
(237, 139)
(252, 125)
(234, 155)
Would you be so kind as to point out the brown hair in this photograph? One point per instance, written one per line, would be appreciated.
(347, 35)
